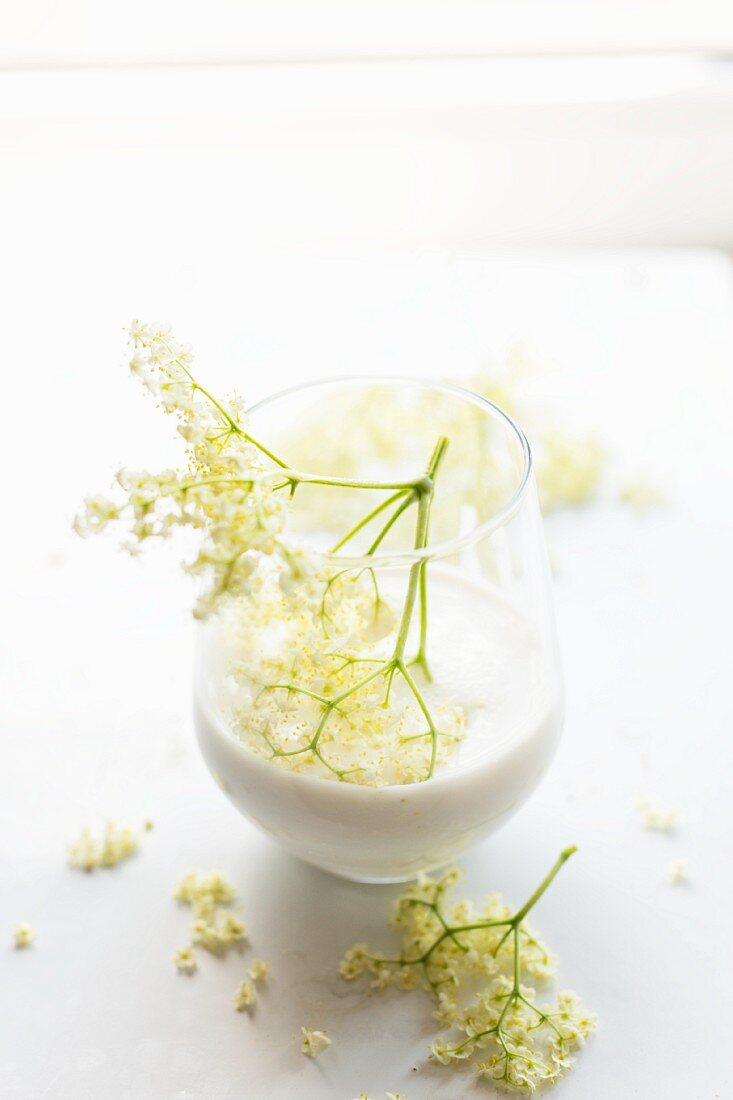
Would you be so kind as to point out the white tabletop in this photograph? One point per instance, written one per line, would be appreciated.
(95, 684)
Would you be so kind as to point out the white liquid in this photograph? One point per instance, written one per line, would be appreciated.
(484, 656)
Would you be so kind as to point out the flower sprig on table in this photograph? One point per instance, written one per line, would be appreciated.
(336, 672)
(475, 962)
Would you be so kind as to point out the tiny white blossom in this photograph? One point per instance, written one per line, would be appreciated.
(116, 843)
(23, 935)
(185, 960)
(258, 970)
(314, 1042)
(656, 816)
(678, 871)
(640, 495)
(245, 997)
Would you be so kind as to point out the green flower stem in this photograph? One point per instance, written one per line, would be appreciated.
(425, 490)
(547, 880)
(421, 655)
(391, 522)
(512, 924)
(366, 520)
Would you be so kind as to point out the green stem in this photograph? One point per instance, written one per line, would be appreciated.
(425, 490)
(366, 520)
(390, 523)
(535, 897)
(349, 482)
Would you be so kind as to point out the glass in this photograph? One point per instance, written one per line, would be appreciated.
(485, 632)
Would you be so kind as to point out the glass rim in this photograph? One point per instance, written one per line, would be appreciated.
(447, 547)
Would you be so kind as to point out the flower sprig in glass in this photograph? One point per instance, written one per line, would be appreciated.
(339, 641)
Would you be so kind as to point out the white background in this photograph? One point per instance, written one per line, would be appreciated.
(109, 217)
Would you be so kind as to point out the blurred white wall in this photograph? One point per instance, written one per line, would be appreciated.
(89, 32)
(382, 154)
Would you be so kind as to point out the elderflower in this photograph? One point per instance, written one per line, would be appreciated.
(475, 962)
(23, 935)
(245, 996)
(204, 892)
(218, 933)
(185, 960)
(655, 816)
(640, 495)
(215, 928)
(117, 843)
(314, 1042)
(678, 872)
(258, 970)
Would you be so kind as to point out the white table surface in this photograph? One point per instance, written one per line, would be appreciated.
(95, 679)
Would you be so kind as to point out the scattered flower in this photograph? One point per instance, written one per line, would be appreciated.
(23, 935)
(655, 816)
(678, 872)
(215, 928)
(185, 960)
(258, 970)
(641, 495)
(245, 997)
(204, 892)
(314, 1042)
(117, 843)
(219, 932)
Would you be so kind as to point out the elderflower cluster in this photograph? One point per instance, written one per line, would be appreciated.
(117, 843)
(318, 684)
(215, 928)
(287, 667)
(314, 1042)
(220, 492)
(477, 963)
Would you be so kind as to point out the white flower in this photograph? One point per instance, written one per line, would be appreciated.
(244, 998)
(23, 935)
(678, 871)
(219, 932)
(185, 960)
(656, 816)
(258, 970)
(314, 1042)
(215, 928)
(117, 843)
